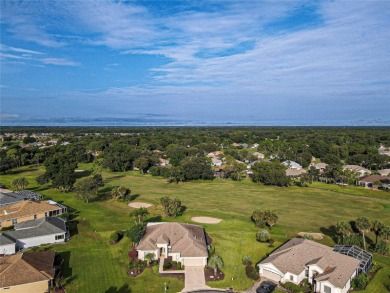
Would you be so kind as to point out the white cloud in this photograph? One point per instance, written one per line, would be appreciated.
(60, 61)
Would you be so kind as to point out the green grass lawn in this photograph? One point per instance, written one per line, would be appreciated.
(96, 266)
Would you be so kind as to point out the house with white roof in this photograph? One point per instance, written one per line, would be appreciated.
(292, 165)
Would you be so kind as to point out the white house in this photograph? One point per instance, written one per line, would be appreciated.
(7, 245)
(299, 259)
(358, 169)
(183, 242)
(33, 233)
(292, 165)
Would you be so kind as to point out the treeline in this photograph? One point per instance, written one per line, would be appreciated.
(123, 149)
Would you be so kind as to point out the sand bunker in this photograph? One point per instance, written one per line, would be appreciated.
(138, 205)
(206, 220)
(316, 236)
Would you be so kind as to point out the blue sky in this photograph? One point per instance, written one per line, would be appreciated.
(195, 62)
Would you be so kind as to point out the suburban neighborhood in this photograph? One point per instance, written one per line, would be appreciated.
(233, 216)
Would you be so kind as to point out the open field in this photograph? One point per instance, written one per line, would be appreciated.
(96, 266)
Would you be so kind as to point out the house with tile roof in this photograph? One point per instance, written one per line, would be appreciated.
(31, 272)
(185, 243)
(11, 215)
(298, 259)
(48, 230)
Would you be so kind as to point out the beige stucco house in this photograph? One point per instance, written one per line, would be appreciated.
(183, 242)
(31, 272)
(329, 271)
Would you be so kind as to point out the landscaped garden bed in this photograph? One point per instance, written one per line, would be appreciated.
(210, 275)
(171, 265)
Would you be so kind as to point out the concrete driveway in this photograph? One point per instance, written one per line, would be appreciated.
(194, 279)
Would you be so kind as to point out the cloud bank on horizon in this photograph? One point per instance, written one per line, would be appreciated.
(195, 62)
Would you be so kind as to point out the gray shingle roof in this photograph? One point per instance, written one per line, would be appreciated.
(4, 240)
(7, 198)
(36, 228)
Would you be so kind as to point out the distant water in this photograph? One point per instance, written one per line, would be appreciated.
(166, 121)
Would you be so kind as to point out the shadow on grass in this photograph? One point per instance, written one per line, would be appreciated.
(330, 231)
(124, 289)
(117, 177)
(154, 219)
(73, 230)
(66, 270)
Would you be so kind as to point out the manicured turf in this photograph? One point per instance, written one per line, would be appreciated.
(97, 266)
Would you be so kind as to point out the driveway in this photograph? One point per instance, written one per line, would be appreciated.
(194, 279)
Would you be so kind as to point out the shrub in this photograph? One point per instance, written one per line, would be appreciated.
(271, 242)
(251, 272)
(360, 281)
(174, 263)
(167, 265)
(178, 265)
(114, 237)
(382, 247)
(262, 236)
(292, 287)
(308, 236)
(246, 260)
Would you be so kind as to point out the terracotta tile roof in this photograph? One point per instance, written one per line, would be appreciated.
(188, 240)
(26, 268)
(298, 253)
(25, 208)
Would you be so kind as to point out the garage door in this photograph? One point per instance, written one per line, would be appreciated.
(271, 275)
(193, 262)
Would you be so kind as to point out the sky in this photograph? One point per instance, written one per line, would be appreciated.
(195, 62)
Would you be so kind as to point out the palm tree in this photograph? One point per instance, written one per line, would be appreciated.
(16, 184)
(23, 183)
(142, 212)
(149, 257)
(376, 227)
(134, 214)
(363, 224)
(119, 192)
(385, 232)
(215, 262)
(343, 228)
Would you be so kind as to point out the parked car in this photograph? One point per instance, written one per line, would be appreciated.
(266, 287)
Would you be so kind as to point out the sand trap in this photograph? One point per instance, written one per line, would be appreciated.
(138, 205)
(206, 220)
(316, 236)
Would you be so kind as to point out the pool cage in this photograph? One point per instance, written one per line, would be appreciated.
(358, 253)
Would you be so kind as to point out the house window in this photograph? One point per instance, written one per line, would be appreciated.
(307, 273)
(327, 289)
(35, 216)
(291, 277)
(14, 221)
(59, 237)
(45, 214)
(169, 249)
